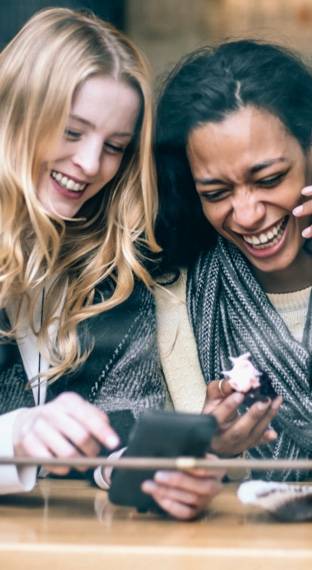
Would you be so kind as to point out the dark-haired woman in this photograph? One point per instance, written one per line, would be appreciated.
(233, 144)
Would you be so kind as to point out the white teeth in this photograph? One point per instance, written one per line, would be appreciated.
(68, 183)
(271, 235)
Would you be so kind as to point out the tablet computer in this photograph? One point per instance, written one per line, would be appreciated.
(159, 434)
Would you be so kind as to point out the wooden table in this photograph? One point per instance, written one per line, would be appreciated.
(68, 525)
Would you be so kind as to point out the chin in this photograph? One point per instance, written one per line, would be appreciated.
(63, 212)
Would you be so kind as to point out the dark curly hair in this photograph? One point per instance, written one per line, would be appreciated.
(206, 86)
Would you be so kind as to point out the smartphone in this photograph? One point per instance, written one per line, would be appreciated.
(159, 434)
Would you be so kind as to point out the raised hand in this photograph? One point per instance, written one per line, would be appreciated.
(305, 210)
(238, 432)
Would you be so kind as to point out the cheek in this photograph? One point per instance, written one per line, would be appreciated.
(214, 213)
(59, 151)
(110, 167)
(43, 178)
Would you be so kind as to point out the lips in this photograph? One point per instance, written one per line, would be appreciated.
(267, 238)
(267, 246)
(68, 183)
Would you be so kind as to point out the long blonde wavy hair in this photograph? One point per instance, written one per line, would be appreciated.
(40, 71)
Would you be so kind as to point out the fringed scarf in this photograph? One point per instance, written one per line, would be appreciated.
(231, 314)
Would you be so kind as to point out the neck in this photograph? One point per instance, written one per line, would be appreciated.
(295, 277)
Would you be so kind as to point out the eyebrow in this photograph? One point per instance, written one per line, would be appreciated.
(253, 170)
(92, 125)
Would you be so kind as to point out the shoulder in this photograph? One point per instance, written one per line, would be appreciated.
(177, 347)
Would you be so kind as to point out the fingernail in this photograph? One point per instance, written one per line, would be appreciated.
(112, 441)
(307, 191)
(262, 405)
(162, 476)
(307, 233)
(277, 403)
(298, 210)
(238, 397)
(273, 435)
(148, 486)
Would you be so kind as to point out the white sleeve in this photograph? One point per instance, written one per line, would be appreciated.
(102, 477)
(13, 479)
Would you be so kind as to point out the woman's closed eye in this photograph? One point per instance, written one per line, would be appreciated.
(272, 181)
(215, 194)
(72, 134)
(114, 148)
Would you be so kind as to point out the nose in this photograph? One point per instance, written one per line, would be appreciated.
(247, 210)
(88, 158)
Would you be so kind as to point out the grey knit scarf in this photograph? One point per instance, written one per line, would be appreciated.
(231, 314)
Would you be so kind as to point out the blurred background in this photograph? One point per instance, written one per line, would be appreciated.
(165, 29)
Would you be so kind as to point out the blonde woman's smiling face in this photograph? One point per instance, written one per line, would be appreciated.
(101, 124)
(249, 172)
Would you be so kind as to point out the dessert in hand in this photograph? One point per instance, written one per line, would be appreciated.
(244, 377)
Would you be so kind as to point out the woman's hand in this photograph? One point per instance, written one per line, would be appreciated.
(68, 427)
(305, 210)
(238, 433)
(185, 495)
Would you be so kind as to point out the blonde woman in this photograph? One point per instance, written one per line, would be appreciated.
(77, 207)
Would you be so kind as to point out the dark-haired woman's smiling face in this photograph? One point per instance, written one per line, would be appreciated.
(249, 172)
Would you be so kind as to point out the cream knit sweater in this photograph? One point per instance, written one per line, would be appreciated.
(177, 345)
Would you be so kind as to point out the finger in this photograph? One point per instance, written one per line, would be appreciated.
(255, 414)
(237, 437)
(217, 474)
(307, 232)
(277, 402)
(251, 426)
(203, 488)
(33, 446)
(94, 420)
(177, 494)
(53, 440)
(170, 500)
(307, 191)
(56, 470)
(225, 410)
(260, 428)
(304, 209)
(175, 509)
(74, 431)
(268, 436)
(219, 389)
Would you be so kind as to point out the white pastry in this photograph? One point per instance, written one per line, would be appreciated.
(243, 376)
